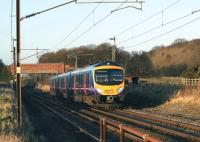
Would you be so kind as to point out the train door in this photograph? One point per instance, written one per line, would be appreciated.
(65, 86)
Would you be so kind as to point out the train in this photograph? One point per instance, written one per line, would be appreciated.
(102, 82)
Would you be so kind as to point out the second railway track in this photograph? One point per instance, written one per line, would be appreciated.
(174, 130)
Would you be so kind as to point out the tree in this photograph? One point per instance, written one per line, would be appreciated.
(140, 64)
(179, 41)
(4, 73)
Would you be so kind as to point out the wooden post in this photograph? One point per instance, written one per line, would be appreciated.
(121, 133)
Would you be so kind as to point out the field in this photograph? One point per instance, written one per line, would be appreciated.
(9, 131)
(184, 101)
(164, 93)
(149, 95)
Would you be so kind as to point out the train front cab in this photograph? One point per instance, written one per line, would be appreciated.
(109, 83)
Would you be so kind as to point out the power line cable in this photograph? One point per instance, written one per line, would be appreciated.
(33, 55)
(108, 2)
(90, 28)
(163, 34)
(33, 14)
(11, 27)
(83, 20)
(156, 27)
(122, 3)
(147, 19)
(146, 41)
(40, 12)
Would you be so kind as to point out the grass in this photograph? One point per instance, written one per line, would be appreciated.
(184, 101)
(9, 132)
(166, 98)
(149, 95)
(8, 123)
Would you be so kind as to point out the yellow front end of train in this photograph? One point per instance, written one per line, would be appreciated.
(109, 82)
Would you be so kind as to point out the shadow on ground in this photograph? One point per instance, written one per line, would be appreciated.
(149, 95)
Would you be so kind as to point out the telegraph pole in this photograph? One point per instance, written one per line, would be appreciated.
(14, 68)
(18, 71)
(14, 59)
(14, 62)
(113, 49)
(76, 63)
(76, 57)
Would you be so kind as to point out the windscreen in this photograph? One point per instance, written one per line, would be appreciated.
(109, 76)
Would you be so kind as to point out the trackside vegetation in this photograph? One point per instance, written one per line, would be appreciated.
(181, 58)
(9, 131)
(4, 73)
(186, 101)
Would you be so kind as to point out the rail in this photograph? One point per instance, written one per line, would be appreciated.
(124, 131)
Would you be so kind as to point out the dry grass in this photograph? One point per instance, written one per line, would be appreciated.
(7, 118)
(9, 131)
(9, 138)
(184, 101)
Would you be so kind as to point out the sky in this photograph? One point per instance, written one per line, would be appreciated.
(135, 30)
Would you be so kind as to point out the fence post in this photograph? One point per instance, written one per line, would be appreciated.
(121, 133)
(101, 129)
(104, 129)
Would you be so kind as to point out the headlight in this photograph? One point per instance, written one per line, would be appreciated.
(99, 90)
(119, 90)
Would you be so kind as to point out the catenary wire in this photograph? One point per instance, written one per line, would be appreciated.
(40, 12)
(163, 34)
(147, 19)
(90, 28)
(75, 28)
(79, 35)
(155, 28)
(100, 21)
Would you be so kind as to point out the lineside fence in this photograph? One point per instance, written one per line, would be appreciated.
(190, 82)
(184, 82)
(123, 131)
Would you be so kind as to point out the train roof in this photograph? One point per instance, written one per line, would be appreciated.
(108, 63)
(104, 63)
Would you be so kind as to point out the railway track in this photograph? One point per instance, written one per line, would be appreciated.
(173, 114)
(167, 128)
(63, 114)
(60, 110)
(173, 128)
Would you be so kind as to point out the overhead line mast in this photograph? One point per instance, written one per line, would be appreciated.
(18, 70)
